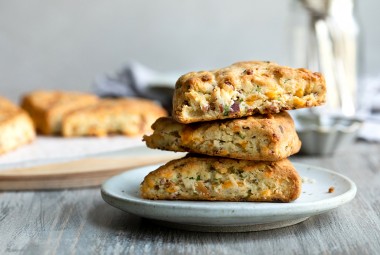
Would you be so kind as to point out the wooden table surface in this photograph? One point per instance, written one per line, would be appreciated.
(80, 222)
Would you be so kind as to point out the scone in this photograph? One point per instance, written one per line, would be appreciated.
(128, 116)
(243, 89)
(269, 137)
(16, 127)
(223, 179)
(47, 108)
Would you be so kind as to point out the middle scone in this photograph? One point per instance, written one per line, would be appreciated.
(268, 137)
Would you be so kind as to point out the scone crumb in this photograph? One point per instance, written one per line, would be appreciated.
(331, 189)
(308, 180)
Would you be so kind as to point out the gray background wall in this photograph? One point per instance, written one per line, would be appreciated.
(65, 44)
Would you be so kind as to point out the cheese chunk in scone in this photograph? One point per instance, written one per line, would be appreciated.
(223, 179)
(243, 89)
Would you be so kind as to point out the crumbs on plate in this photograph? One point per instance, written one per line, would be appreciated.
(331, 189)
(308, 180)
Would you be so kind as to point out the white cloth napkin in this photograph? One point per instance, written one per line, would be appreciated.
(369, 108)
(370, 131)
(46, 148)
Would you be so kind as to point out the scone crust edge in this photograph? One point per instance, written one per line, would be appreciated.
(16, 127)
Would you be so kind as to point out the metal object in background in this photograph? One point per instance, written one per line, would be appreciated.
(324, 135)
(332, 48)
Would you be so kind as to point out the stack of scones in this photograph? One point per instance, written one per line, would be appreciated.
(234, 124)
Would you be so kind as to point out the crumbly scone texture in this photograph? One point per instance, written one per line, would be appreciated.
(243, 89)
(268, 137)
(223, 179)
(128, 116)
(16, 127)
(47, 108)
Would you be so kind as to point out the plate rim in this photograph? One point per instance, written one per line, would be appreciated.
(240, 209)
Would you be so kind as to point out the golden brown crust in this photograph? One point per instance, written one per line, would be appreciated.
(243, 89)
(128, 116)
(222, 179)
(47, 108)
(16, 127)
(261, 137)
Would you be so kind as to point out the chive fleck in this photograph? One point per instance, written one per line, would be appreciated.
(198, 178)
(226, 110)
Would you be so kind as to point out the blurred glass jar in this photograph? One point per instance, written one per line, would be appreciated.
(325, 39)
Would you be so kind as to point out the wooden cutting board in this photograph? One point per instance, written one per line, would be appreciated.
(86, 172)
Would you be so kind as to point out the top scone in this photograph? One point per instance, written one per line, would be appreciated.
(243, 89)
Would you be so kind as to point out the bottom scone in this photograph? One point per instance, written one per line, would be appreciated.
(223, 179)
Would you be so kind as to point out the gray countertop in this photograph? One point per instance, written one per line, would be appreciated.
(80, 222)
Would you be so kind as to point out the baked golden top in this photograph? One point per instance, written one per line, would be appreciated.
(7, 109)
(268, 137)
(213, 178)
(47, 108)
(243, 89)
(16, 127)
(124, 105)
(45, 100)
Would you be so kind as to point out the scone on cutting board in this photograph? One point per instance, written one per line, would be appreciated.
(71, 114)
(265, 137)
(16, 127)
(223, 179)
(243, 89)
(47, 108)
(128, 116)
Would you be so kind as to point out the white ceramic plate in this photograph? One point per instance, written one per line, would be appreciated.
(122, 191)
